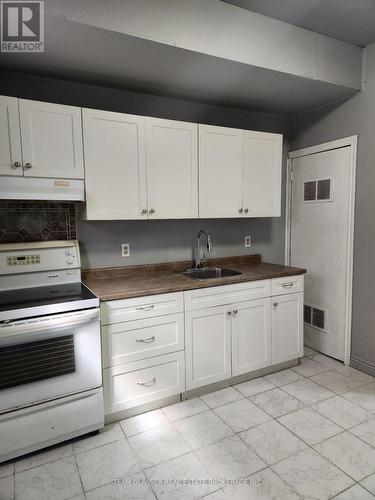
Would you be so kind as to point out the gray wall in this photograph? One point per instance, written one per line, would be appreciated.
(355, 116)
(160, 241)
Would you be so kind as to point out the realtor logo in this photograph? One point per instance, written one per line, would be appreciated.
(22, 26)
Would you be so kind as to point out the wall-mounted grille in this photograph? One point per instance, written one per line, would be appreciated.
(314, 316)
(319, 190)
(34, 361)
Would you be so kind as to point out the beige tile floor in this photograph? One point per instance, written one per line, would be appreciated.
(307, 432)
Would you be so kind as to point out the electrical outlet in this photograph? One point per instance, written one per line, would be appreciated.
(247, 241)
(125, 249)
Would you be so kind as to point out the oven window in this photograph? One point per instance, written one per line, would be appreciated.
(33, 361)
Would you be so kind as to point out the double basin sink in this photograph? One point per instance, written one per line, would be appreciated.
(208, 273)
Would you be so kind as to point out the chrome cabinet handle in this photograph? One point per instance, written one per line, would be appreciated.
(143, 211)
(150, 382)
(275, 304)
(229, 313)
(145, 308)
(146, 341)
(287, 285)
(246, 210)
(151, 211)
(28, 165)
(240, 210)
(16, 164)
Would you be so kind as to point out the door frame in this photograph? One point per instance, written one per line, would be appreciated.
(352, 142)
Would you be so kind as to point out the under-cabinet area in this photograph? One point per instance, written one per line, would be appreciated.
(168, 344)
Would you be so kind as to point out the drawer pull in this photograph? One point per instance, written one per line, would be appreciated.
(150, 382)
(145, 308)
(146, 341)
(287, 285)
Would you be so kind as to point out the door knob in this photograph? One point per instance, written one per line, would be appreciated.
(28, 165)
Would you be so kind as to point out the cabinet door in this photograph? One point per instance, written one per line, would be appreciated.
(207, 340)
(262, 174)
(115, 170)
(251, 336)
(10, 141)
(220, 172)
(172, 169)
(287, 327)
(51, 137)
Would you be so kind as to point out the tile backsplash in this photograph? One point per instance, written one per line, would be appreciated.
(37, 221)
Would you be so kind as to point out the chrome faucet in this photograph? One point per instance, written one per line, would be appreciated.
(198, 261)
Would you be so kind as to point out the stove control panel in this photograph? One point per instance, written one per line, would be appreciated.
(23, 260)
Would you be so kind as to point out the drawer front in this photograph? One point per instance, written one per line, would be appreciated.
(134, 384)
(226, 294)
(117, 311)
(141, 339)
(288, 284)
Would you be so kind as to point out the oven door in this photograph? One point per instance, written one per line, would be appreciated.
(49, 357)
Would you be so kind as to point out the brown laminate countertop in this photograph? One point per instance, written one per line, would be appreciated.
(137, 281)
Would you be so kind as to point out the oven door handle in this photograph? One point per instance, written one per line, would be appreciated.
(48, 323)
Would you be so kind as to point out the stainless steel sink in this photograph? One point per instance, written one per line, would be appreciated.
(208, 273)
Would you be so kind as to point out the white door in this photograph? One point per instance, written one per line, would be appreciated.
(319, 242)
(10, 141)
(115, 169)
(220, 172)
(208, 346)
(51, 140)
(287, 331)
(262, 174)
(251, 336)
(172, 169)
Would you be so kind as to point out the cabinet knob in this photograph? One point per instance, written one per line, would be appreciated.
(28, 165)
(246, 210)
(240, 210)
(151, 211)
(143, 211)
(235, 312)
(275, 304)
(229, 313)
(16, 164)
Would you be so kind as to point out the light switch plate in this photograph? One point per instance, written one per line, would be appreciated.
(125, 249)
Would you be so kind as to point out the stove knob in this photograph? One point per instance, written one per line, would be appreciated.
(70, 260)
(68, 252)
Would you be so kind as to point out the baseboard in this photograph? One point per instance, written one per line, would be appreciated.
(363, 366)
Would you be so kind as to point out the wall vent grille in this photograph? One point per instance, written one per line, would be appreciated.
(314, 316)
(319, 190)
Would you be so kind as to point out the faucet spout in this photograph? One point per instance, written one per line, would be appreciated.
(198, 260)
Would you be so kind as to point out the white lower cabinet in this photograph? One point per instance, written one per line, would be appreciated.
(208, 346)
(251, 336)
(287, 327)
(141, 382)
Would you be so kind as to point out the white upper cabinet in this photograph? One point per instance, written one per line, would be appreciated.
(262, 174)
(10, 141)
(220, 172)
(172, 169)
(51, 137)
(115, 173)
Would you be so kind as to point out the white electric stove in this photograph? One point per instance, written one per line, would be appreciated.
(50, 355)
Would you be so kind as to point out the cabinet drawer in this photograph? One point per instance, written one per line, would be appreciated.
(288, 284)
(226, 294)
(141, 339)
(117, 311)
(134, 384)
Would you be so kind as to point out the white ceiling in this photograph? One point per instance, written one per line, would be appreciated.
(87, 54)
(352, 21)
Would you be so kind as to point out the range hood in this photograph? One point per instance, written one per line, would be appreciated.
(33, 188)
